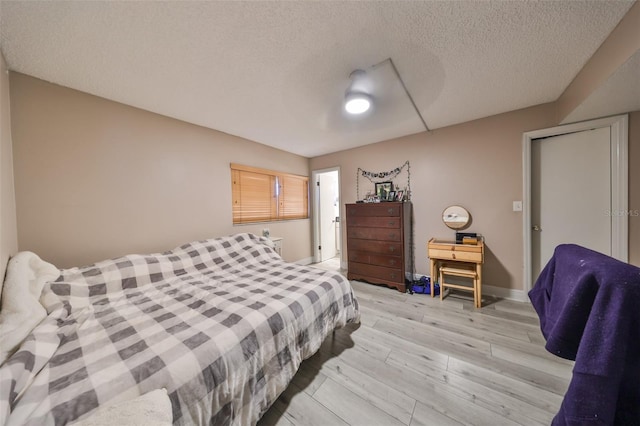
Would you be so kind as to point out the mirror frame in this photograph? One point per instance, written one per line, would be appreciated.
(456, 217)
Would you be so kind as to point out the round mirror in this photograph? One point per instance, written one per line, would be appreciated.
(456, 217)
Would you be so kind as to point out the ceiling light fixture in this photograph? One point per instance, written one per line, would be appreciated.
(358, 102)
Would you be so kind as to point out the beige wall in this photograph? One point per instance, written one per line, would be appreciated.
(479, 166)
(8, 229)
(96, 179)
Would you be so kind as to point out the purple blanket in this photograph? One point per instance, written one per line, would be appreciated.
(589, 309)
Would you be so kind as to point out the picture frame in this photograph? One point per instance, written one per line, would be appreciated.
(399, 195)
(383, 189)
(391, 196)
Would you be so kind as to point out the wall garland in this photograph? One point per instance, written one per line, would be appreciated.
(376, 177)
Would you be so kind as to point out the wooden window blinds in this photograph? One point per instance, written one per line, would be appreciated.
(260, 195)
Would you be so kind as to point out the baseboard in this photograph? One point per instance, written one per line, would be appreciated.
(305, 261)
(505, 293)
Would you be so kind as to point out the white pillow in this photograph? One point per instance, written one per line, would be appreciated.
(21, 309)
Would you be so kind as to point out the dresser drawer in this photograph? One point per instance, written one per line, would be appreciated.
(374, 209)
(381, 234)
(375, 259)
(375, 247)
(380, 272)
(463, 256)
(452, 246)
(374, 221)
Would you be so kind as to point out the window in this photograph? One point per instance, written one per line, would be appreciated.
(260, 195)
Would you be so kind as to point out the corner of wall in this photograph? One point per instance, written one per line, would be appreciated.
(8, 222)
(619, 46)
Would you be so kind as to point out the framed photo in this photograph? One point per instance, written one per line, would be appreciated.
(399, 195)
(391, 196)
(383, 189)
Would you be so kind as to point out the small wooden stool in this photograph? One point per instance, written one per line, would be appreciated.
(461, 271)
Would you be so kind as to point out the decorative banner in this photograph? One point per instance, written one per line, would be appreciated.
(382, 176)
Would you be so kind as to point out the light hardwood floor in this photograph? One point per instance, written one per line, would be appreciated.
(417, 361)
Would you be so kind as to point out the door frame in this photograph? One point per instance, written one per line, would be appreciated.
(316, 210)
(619, 184)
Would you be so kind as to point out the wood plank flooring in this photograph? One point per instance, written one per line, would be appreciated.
(417, 361)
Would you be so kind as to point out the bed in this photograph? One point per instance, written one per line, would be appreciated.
(221, 324)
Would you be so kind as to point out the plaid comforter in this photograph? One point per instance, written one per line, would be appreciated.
(222, 324)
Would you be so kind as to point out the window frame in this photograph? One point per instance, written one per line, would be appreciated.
(288, 197)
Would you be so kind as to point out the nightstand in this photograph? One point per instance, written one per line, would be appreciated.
(277, 244)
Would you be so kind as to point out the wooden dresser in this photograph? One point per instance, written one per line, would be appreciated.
(379, 245)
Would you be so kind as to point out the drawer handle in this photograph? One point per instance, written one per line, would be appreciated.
(392, 248)
(391, 223)
(393, 275)
(392, 236)
(453, 255)
(392, 262)
(390, 211)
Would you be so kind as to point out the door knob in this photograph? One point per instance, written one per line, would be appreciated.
(536, 228)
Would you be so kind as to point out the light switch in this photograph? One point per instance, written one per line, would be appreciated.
(517, 206)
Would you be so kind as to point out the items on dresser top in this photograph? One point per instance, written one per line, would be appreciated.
(379, 243)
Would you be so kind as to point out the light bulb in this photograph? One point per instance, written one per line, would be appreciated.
(357, 103)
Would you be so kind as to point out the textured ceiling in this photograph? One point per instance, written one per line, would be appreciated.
(276, 72)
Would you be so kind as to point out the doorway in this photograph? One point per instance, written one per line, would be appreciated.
(575, 187)
(326, 214)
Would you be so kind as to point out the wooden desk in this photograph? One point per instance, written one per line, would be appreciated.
(442, 251)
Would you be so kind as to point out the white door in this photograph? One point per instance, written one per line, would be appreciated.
(329, 211)
(570, 200)
(570, 194)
